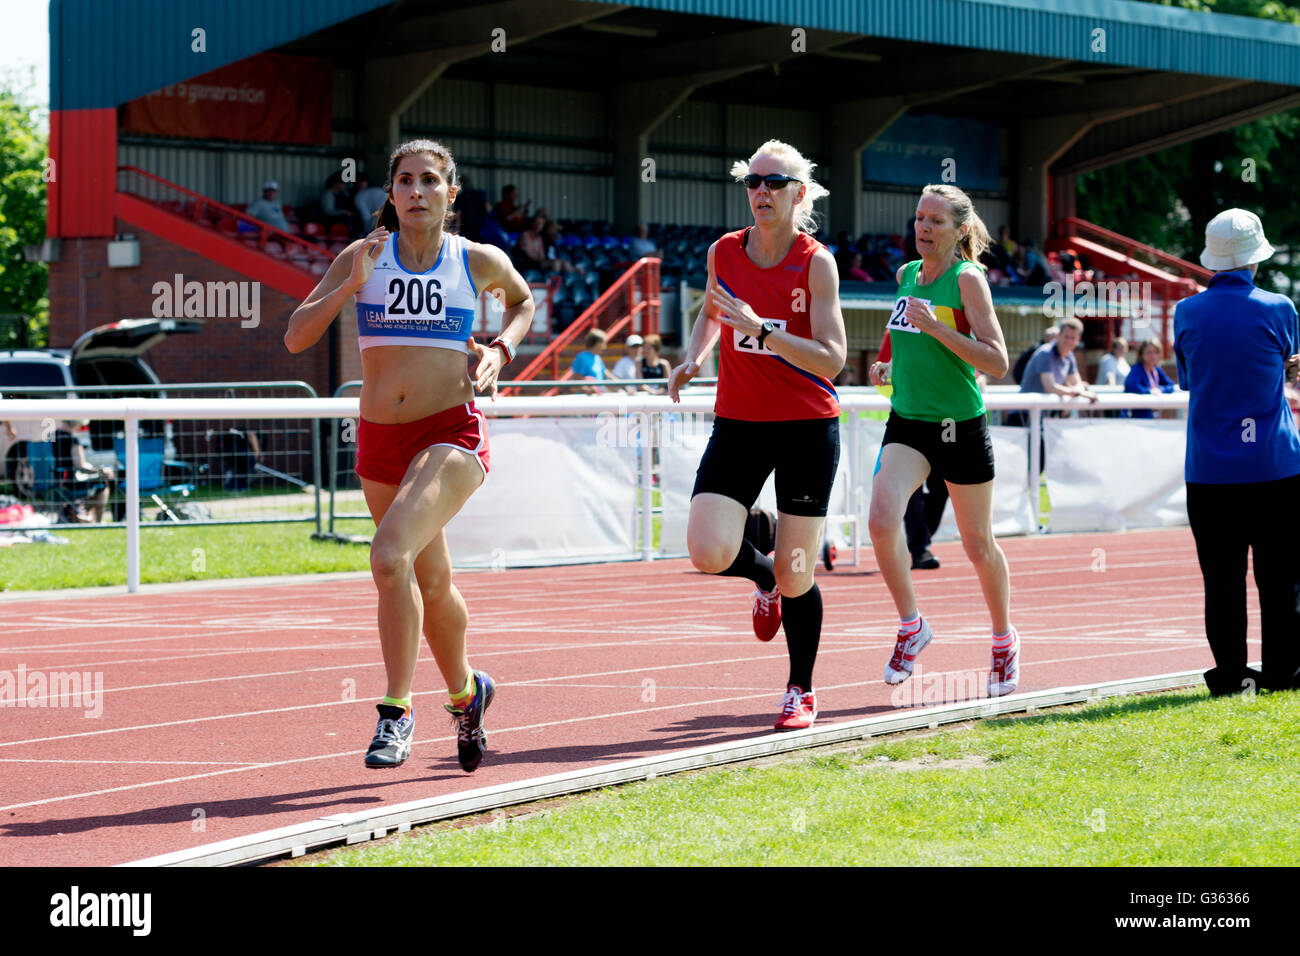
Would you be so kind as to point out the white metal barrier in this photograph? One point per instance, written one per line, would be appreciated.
(852, 400)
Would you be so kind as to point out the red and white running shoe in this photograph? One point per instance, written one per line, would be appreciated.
(1004, 670)
(767, 613)
(907, 647)
(798, 710)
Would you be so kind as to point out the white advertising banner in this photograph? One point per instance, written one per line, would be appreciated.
(559, 489)
(1012, 511)
(1110, 474)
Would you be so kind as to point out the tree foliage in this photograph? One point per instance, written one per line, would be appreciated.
(1166, 198)
(24, 286)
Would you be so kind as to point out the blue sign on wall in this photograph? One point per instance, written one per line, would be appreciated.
(916, 150)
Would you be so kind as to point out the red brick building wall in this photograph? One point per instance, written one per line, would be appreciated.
(86, 292)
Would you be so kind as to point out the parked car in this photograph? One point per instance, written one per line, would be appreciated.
(110, 354)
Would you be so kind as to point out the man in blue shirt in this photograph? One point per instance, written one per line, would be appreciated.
(588, 364)
(1236, 346)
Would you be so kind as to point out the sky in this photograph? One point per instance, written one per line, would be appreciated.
(25, 42)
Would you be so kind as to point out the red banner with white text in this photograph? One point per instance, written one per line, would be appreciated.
(266, 98)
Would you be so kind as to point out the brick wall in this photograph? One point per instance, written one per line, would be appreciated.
(85, 292)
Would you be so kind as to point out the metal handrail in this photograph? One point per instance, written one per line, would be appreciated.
(265, 230)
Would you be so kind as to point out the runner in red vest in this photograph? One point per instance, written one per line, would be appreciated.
(776, 291)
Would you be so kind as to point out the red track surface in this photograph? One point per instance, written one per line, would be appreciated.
(234, 702)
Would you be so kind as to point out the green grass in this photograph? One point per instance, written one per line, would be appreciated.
(1171, 780)
(95, 556)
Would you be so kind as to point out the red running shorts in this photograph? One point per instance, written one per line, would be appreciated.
(384, 452)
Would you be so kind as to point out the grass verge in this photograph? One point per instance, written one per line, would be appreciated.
(1172, 780)
(94, 556)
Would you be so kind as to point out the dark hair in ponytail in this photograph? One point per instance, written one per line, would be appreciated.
(387, 214)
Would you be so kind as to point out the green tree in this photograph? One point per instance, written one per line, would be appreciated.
(1165, 198)
(24, 286)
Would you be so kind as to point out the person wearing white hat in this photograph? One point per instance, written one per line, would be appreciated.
(629, 366)
(268, 208)
(1236, 347)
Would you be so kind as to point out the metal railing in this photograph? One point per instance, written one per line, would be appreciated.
(212, 470)
(132, 411)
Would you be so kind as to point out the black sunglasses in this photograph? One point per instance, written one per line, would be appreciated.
(774, 181)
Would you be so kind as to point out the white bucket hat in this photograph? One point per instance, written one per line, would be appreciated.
(1233, 240)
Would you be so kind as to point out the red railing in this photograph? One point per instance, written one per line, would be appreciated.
(1131, 249)
(199, 208)
(631, 301)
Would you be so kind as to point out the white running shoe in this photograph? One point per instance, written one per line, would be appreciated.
(1004, 670)
(900, 665)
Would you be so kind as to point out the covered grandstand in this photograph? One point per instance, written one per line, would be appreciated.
(608, 115)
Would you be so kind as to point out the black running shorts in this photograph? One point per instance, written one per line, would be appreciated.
(740, 456)
(958, 452)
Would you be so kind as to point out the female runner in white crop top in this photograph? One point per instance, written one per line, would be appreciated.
(422, 445)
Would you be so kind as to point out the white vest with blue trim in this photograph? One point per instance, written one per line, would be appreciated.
(434, 308)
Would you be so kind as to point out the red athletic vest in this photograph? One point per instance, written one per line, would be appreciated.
(756, 384)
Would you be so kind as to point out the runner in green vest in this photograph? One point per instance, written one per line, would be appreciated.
(942, 330)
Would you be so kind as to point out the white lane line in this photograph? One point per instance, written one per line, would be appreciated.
(537, 726)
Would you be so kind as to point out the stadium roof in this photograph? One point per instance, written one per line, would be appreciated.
(106, 52)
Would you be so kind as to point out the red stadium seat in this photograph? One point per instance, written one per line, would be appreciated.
(313, 229)
(227, 225)
(340, 231)
(274, 248)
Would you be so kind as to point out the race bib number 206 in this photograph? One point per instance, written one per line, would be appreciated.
(750, 344)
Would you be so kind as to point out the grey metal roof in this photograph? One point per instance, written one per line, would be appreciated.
(1145, 35)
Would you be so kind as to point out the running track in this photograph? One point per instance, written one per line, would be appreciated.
(232, 710)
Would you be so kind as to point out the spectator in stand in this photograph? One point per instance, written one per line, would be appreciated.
(1114, 367)
(629, 366)
(493, 233)
(509, 214)
(1147, 376)
(588, 364)
(855, 272)
(268, 208)
(641, 246)
(471, 208)
(653, 364)
(1006, 242)
(1031, 266)
(368, 200)
(334, 203)
(1236, 347)
(530, 249)
(1049, 335)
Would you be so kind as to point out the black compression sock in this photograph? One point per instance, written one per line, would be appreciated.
(750, 564)
(802, 618)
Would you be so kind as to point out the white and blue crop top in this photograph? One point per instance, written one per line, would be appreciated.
(434, 308)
